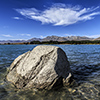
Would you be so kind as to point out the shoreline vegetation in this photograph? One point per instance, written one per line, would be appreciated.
(55, 42)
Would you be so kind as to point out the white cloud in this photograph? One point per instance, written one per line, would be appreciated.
(6, 35)
(25, 34)
(69, 35)
(60, 14)
(42, 36)
(28, 34)
(17, 18)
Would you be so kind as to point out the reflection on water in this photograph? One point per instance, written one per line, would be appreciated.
(84, 62)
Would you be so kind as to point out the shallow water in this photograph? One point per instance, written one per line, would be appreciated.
(84, 62)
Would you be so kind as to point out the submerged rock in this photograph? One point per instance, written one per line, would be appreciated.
(44, 67)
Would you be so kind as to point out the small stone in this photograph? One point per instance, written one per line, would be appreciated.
(73, 91)
(70, 89)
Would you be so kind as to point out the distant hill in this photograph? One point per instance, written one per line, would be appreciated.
(12, 41)
(51, 38)
(19, 41)
(78, 38)
(34, 39)
(54, 38)
(68, 38)
(97, 38)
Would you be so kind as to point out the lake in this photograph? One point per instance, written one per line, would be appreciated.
(84, 62)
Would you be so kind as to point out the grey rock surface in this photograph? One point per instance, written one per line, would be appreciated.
(43, 68)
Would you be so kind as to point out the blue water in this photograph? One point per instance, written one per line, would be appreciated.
(84, 62)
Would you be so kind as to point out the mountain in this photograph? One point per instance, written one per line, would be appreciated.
(78, 38)
(97, 38)
(19, 41)
(54, 38)
(51, 38)
(12, 41)
(34, 39)
(68, 38)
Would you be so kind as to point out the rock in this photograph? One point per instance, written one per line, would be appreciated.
(44, 67)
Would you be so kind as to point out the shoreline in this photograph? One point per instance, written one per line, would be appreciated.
(85, 42)
(48, 44)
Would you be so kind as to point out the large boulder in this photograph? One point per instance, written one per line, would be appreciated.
(44, 68)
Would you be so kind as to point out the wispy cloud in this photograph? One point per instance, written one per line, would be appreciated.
(6, 35)
(60, 14)
(5, 26)
(17, 18)
(25, 34)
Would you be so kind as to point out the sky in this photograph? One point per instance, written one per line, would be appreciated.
(26, 19)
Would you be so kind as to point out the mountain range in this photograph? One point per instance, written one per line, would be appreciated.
(51, 38)
(68, 38)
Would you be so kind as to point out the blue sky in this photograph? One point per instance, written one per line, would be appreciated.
(25, 19)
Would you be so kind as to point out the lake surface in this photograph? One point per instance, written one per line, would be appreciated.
(84, 62)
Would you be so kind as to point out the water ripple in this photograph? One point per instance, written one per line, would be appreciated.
(84, 62)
